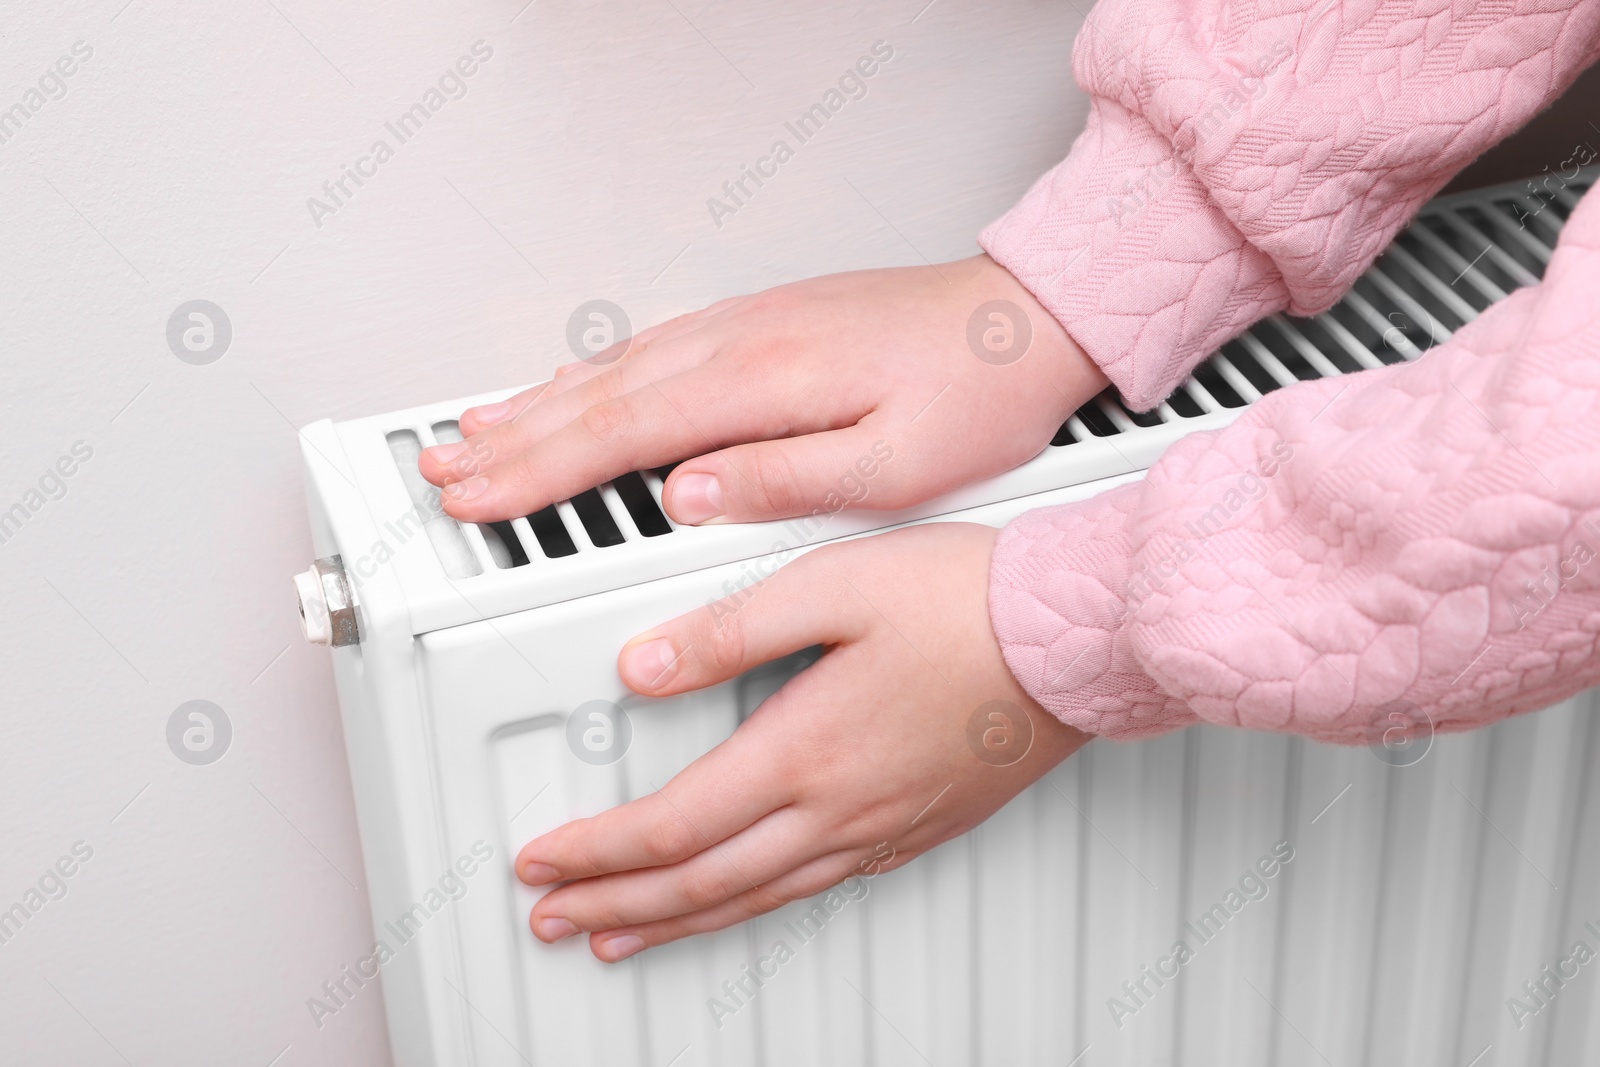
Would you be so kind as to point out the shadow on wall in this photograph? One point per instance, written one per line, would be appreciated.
(1544, 142)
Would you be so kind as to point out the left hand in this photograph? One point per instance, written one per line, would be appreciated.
(768, 397)
(859, 764)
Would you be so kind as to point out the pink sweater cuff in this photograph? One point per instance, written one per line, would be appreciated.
(1124, 246)
(1057, 603)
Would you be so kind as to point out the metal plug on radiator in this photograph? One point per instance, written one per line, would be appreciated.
(327, 604)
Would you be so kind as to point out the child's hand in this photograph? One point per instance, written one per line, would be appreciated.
(780, 393)
(909, 731)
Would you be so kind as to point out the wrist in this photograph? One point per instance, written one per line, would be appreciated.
(1051, 356)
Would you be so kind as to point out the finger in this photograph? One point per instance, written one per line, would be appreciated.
(665, 421)
(785, 478)
(572, 373)
(799, 606)
(457, 461)
(443, 464)
(569, 375)
(713, 798)
(475, 420)
(596, 385)
(772, 846)
(806, 880)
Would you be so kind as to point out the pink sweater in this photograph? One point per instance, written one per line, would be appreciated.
(1421, 538)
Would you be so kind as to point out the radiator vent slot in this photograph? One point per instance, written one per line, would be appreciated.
(504, 544)
(636, 497)
(444, 533)
(1461, 254)
(596, 519)
(551, 533)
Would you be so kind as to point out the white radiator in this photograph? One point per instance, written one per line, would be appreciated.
(1338, 906)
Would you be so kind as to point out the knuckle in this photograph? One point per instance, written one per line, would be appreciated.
(722, 645)
(574, 860)
(824, 565)
(607, 386)
(671, 838)
(770, 483)
(525, 477)
(480, 453)
(781, 298)
(764, 898)
(673, 325)
(609, 421)
(708, 887)
(596, 915)
(818, 881)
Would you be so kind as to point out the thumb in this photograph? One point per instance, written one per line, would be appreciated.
(788, 477)
(781, 612)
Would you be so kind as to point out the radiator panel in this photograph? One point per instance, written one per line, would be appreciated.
(1418, 901)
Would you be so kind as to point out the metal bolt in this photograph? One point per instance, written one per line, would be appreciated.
(327, 604)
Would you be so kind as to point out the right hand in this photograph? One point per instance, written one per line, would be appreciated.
(838, 774)
(773, 399)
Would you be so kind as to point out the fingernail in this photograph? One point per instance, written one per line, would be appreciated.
(566, 368)
(620, 948)
(443, 454)
(696, 498)
(491, 413)
(554, 929)
(539, 873)
(470, 489)
(647, 664)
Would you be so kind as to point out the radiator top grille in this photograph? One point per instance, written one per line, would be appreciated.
(1461, 254)
(627, 509)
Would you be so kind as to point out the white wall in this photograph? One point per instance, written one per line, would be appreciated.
(177, 167)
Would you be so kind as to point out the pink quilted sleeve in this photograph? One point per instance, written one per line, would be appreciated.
(1422, 536)
(1243, 158)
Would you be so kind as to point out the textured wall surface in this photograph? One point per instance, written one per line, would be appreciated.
(174, 164)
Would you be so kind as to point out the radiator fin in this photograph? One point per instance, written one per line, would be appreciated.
(444, 533)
